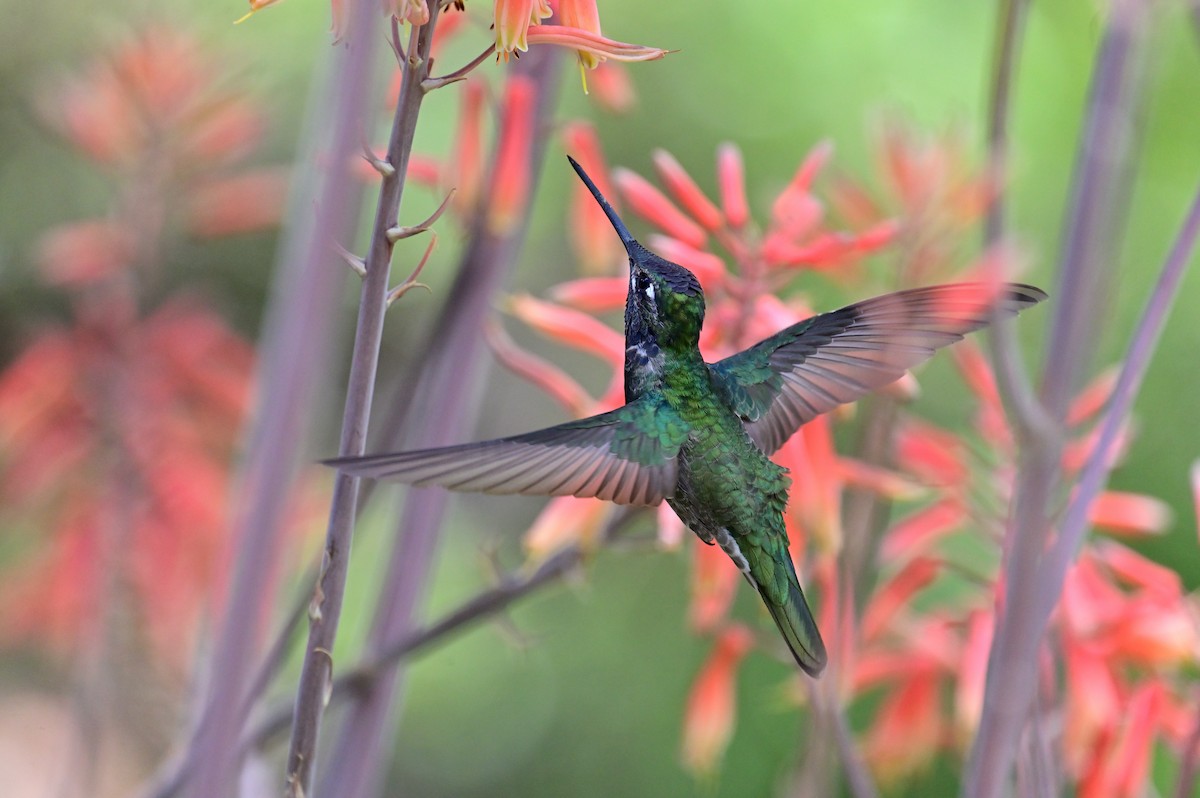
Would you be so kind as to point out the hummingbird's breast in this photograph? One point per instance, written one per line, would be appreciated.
(725, 481)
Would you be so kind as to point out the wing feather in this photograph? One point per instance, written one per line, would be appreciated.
(627, 456)
(809, 368)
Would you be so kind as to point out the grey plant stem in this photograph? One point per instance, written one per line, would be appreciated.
(1086, 261)
(291, 361)
(1011, 376)
(437, 415)
(326, 606)
(1095, 472)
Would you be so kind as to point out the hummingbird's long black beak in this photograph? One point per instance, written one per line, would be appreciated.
(626, 237)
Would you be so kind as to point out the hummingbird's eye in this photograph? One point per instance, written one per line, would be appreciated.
(643, 285)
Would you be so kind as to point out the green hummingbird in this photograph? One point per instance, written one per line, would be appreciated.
(698, 435)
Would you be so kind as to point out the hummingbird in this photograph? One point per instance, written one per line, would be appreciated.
(699, 435)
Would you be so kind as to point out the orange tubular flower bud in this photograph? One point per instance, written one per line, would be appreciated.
(908, 728)
(546, 376)
(414, 12)
(586, 42)
(566, 521)
(1132, 514)
(670, 529)
(714, 584)
(921, 530)
(465, 167)
(731, 178)
(584, 15)
(686, 191)
(510, 180)
(512, 21)
(570, 327)
(712, 704)
(708, 268)
(611, 87)
(653, 205)
(592, 294)
(972, 673)
(889, 600)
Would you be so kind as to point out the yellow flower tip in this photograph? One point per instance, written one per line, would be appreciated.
(583, 75)
(255, 7)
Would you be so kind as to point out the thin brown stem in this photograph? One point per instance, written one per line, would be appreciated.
(326, 605)
(460, 74)
(442, 400)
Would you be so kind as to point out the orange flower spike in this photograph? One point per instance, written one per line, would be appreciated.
(464, 169)
(570, 327)
(592, 240)
(714, 585)
(895, 595)
(511, 176)
(686, 192)
(711, 711)
(566, 521)
(653, 205)
(731, 178)
(512, 21)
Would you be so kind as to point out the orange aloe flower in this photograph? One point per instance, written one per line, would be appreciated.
(512, 21)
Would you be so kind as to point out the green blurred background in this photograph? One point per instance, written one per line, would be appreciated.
(589, 700)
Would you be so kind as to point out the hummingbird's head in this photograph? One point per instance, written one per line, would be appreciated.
(664, 301)
(664, 297)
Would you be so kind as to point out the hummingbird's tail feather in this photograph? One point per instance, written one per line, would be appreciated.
(799, 628)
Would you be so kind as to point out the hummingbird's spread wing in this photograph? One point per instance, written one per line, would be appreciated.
(834, 358)
(627, 456)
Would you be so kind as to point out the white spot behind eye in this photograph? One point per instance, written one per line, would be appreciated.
(650, 291)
